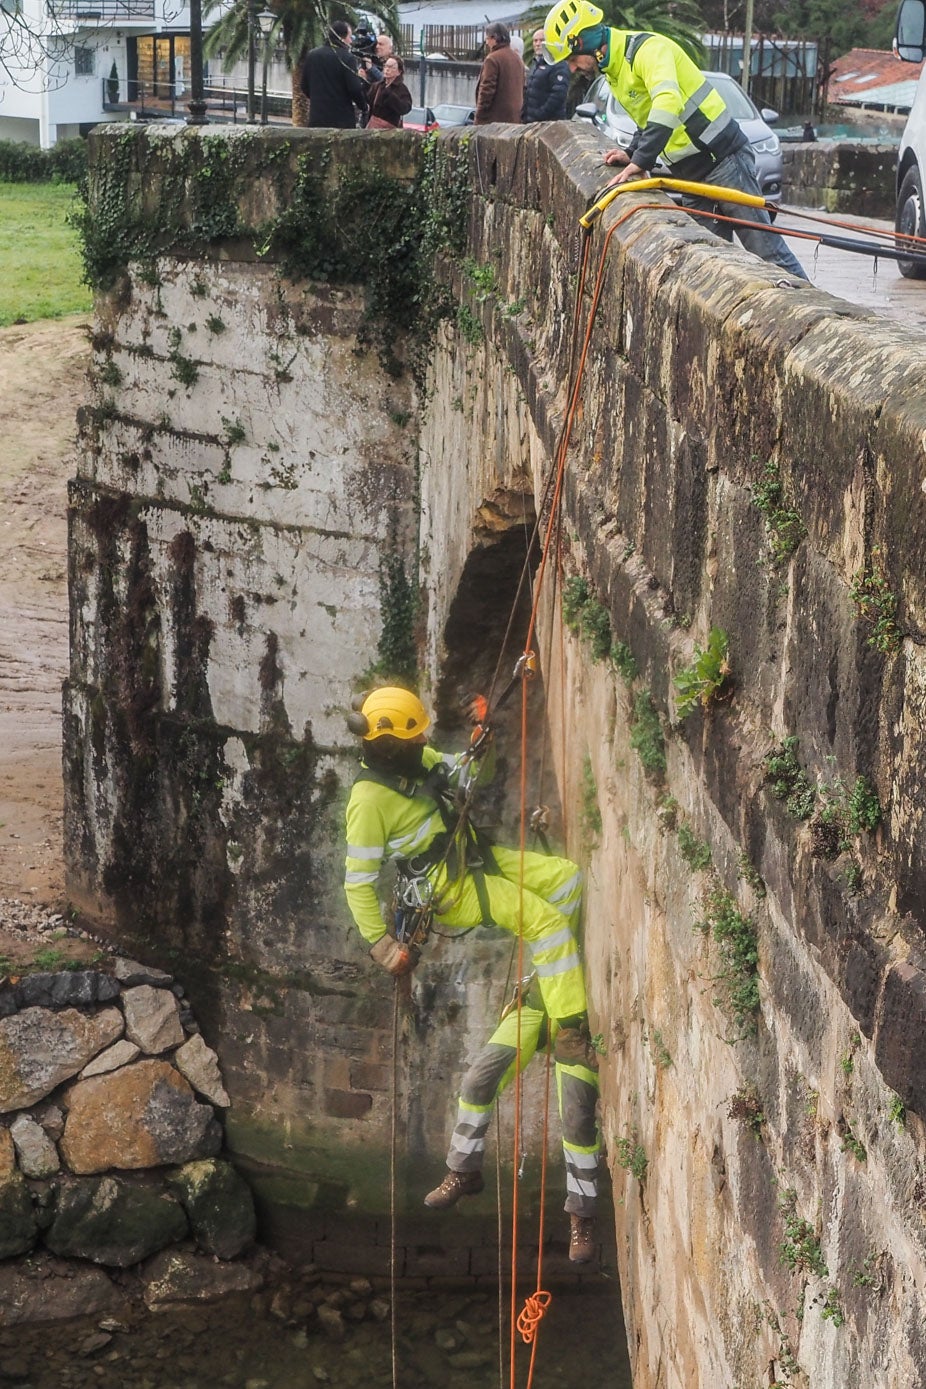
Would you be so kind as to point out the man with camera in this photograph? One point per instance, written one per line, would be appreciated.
(331, 83)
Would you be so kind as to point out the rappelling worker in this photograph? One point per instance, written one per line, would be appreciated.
(680, 117)
(405, 806)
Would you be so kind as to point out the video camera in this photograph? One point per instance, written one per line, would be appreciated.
(363, 44)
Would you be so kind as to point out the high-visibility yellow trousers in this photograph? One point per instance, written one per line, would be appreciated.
(577, 1094)
(545, 912)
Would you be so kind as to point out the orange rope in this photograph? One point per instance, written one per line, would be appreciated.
(529, 1321)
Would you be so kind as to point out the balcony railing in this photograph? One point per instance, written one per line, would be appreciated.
(104, 11)
(158, 100)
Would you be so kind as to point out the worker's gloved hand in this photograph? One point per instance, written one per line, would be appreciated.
(395, 959)
(476, 708)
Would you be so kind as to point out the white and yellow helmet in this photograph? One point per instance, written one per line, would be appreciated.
(564, 24)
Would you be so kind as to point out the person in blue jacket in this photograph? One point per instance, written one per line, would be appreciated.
(546, 86)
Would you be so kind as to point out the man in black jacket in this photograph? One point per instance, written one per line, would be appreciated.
(547, 85)
(331, 83)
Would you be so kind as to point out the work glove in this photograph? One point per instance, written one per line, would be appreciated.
(476, 709)
(395, 959)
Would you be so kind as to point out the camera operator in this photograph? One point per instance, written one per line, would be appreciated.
(331, 83)
(364, 48)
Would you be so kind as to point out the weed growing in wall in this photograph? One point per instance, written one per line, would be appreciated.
(397, 656)
(876, 605)
(788, 780)
(582, 613)
(631, 1155)
(661, 1054)
(591, 811)
(734, 935)
(646, 735)
(784, 527)
(800, 1249)
(898, 1112)
(855, 1146)
(745, 1107)
(695, 852)
(709, 671)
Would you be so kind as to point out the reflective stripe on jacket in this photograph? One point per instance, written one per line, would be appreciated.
(679, 115)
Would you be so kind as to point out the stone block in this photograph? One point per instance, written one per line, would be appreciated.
(130, 973)
(39, 1049)
(18, 1225)
(113, 1221)
(367, 1075)
(7, 1155)
(218, 1204)
(900, 1033)
(152, 1019)
(67, 989)
(200, 1065)
(347, 1104)
(140, 1116)
(37, 1154)
(51, 1290)
(175, 1276)
(354, 1257)
(120, 1054)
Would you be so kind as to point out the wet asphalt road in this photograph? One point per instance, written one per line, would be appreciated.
(874, 285)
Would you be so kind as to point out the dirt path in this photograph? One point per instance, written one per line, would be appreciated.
(42, 370)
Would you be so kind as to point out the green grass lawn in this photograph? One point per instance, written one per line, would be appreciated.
(39, 257)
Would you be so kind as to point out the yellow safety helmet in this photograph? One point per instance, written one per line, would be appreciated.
(564, 24)
(390, 710)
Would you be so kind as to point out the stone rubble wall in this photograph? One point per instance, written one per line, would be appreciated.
(110, 1128)
(850, 179)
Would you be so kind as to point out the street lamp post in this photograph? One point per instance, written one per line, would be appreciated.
(252, 58)
(197, 103)
(265, 20)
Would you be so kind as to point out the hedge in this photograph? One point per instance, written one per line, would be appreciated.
(22, 163)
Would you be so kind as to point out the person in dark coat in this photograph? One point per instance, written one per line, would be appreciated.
(546, 86)
(500, 89)
(331, 83)
(390, 99)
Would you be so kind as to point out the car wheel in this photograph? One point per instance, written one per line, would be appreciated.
(910, 220)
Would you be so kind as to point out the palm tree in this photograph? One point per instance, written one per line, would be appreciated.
(300, 24)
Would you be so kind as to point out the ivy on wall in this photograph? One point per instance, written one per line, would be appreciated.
(315, 215)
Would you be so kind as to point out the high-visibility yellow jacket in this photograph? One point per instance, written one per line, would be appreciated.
(679, 115)
(384, 824)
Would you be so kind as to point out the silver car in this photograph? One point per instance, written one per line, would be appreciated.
(609, 117)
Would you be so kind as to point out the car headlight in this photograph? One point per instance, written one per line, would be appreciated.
(770, 146)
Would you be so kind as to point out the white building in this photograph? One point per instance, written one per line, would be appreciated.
(66, 65)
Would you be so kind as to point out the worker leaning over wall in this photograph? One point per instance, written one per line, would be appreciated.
(405, 806)
(680, 117)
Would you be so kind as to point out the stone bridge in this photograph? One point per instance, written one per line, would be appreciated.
(330, 377)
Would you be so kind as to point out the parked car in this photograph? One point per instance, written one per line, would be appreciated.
(448, 113)
(609, 117)
(419, 118)
(910, 45)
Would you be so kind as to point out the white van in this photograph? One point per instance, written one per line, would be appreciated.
(910, 45)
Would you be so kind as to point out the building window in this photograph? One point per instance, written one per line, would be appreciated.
(84, 61)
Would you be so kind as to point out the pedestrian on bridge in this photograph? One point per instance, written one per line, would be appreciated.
(680, 117)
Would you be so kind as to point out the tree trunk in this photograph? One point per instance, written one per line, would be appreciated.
(300, 101)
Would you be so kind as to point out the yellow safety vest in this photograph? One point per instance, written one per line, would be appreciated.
(679, 114)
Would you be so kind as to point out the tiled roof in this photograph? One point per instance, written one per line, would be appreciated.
(871, 78)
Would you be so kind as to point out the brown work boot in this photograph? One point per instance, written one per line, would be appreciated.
(581, 1239)
(454, 1185)
(572, 1046)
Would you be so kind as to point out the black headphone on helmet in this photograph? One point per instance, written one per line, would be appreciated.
(357, 721)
